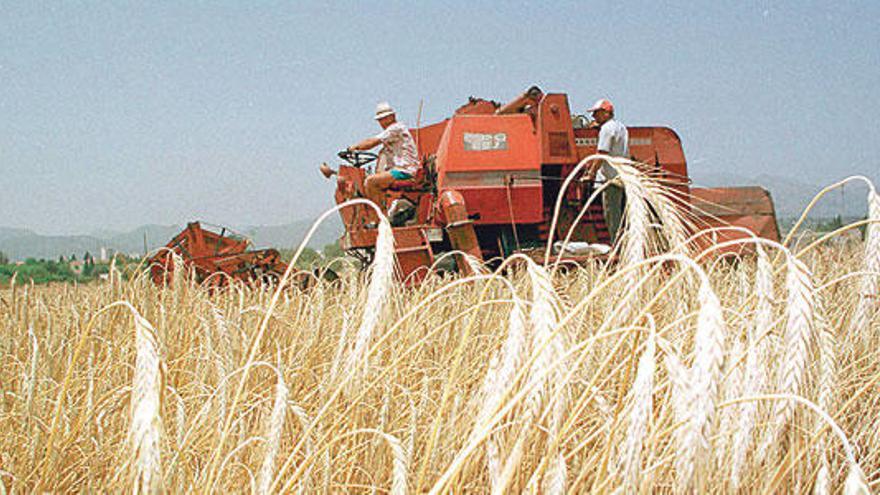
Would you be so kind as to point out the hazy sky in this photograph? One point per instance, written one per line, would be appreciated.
(113, 115)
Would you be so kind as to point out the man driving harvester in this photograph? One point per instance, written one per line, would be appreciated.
(398, 159)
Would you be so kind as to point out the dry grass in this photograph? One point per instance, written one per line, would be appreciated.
(671, 373)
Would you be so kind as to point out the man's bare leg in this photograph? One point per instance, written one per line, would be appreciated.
(375, 187)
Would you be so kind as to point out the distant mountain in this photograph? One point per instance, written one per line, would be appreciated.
(289, 236)
(9, 233)
(33, 245)
(20, 244)
(791, 196)
(104, 233)
(133, 241)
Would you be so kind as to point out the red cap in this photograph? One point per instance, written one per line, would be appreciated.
(602, 104)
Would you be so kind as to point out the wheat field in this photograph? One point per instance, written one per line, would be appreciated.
(669, 371)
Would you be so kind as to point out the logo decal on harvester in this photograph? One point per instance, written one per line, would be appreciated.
(485, 142)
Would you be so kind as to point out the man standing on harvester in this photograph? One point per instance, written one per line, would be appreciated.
(613, 141)
(398, 159)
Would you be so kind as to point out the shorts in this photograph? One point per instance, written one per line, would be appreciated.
(400, 174)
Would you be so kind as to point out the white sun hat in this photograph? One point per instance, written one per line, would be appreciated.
(383, 110)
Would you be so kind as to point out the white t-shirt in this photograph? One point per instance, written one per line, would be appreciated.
(398, 149)
(614, 140)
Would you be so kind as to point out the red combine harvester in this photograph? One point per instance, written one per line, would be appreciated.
(216, 257)
(492, 175)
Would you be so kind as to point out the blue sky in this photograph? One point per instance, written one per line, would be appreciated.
(114, 115)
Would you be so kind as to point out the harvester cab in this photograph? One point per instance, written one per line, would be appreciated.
(490, 180)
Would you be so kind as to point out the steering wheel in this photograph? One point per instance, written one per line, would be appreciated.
(357, 158)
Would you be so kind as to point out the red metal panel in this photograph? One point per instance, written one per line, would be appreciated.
(720, 201)
(428, 138)
(668, 152)
(748, 207)
(521, 151)
(413, 252)
(488, 197)
(555, 130)
(493, 207)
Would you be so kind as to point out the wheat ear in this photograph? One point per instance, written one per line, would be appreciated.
(378, 290)
(543, 319)
(502, 370)
(822, 484)
(145, 430)
(556, 478)
(641, 404)
(274, 428)
(704, 376)
(855, 482)
(755, 370)
(869, 290)
(399, 484)
(798, 336)
(827, 380)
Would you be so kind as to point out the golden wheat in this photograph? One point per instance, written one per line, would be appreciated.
(535, 380)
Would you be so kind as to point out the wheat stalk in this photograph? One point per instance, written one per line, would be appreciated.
(305, 422)
(223, 365)
(31, 381)
(339, 355)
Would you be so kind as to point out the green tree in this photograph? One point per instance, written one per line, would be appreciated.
(308, 258)
(333, 251)
(4, 260)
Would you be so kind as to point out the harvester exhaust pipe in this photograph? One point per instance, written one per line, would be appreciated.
(460, 229)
